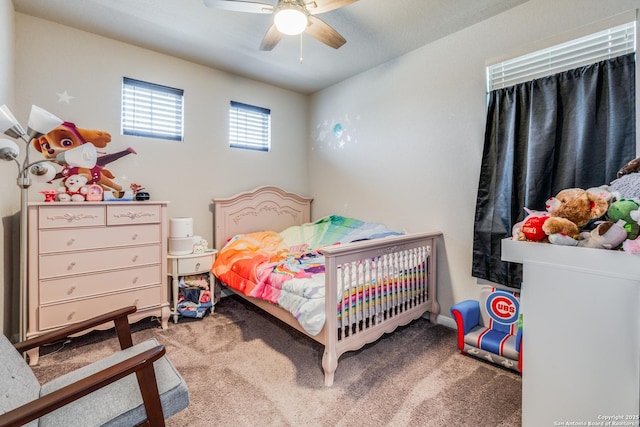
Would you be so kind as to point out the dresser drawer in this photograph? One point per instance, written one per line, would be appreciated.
(60, 240)
(55, 315)
(57, 290)
(133, 214)
(193, 265)
(81, 215)
(63, 264)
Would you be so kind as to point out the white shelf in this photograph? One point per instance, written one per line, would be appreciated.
(581, 333)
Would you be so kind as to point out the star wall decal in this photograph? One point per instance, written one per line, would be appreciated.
(64, 97)
(338, 133)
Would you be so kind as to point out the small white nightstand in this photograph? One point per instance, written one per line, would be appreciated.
(186, 265)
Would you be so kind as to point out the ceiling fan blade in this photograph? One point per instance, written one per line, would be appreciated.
(240, 6)
(271, 39)
(323, 32)
(322, 6)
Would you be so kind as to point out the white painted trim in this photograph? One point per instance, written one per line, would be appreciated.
(447, 321)
(443, 320)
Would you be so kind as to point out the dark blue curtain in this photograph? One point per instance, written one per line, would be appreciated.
(572, 129)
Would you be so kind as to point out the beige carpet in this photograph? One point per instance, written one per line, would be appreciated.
(244, 368)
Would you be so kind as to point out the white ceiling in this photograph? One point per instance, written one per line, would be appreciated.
(376, 32)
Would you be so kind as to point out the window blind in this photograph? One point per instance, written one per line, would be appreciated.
(249, 127)
(151, 110)
(607, 44)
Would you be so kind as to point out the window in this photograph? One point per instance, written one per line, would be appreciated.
(249, 127)
(151, 110)
(607, 44)
(551, 128)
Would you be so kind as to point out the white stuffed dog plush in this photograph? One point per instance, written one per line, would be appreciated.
(74, 190)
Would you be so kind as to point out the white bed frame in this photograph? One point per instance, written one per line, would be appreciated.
(271, 208)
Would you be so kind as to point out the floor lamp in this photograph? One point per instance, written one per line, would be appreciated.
(40, 123)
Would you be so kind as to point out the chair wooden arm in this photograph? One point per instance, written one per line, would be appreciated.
(140, 364)
(119, 317)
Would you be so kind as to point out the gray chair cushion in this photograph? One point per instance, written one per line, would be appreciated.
(121, 399)
(18, 384)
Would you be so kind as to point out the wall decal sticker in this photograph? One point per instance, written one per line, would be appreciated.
(337, 133)
(64, 97)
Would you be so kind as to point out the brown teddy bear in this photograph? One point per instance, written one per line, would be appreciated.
(627, 183)
(632, 167)
(570, 210)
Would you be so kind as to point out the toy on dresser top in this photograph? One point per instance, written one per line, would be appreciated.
(603, 217)
(74, 189)
(79, 184)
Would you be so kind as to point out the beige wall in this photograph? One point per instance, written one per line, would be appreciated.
(52, 59)
(410, 152)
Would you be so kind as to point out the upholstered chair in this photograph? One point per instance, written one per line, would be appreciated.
(137, 385)
(488, 328)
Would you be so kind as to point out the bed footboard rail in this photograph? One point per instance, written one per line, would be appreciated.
(374, 286)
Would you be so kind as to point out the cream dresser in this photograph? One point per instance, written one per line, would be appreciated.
(87, 258)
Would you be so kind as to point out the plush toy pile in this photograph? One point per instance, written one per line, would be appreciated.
(604, 217)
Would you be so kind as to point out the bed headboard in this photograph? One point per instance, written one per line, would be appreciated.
(265, 208)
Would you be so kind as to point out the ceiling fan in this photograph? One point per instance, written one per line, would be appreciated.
(291, 17)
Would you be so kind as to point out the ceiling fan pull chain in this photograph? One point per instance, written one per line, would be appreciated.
(301, 58)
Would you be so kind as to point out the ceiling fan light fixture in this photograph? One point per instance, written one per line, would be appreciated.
(290, 20)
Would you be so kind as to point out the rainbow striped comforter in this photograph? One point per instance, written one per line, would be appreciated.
(286, 268)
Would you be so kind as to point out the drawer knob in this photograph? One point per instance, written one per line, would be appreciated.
(71, 241)
(136, 302)
(134, 237)
(135, 280)
(135, 258)
(71, 290)
(71, 315)
(71, 265)
(198, 266)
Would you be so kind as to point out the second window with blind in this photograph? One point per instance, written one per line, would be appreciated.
(249, 127)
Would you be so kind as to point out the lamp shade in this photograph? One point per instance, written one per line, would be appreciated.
(9, 150)
(43, 172)
(41, 121)
(8, 123)
(84, 156)
(290, 20)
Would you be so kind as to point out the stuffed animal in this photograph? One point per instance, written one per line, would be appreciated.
(607, 235)
(632, 167)
(68, 136)
(627, 211)
(602, 192)
(635, 215)
(631, 246)
(626, 187)
(627, 184)
(570, 210)
(74, 190)
(530, 229)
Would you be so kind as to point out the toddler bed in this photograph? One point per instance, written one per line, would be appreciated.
(341, 281)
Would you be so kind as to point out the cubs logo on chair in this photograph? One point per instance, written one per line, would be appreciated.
(488, 328)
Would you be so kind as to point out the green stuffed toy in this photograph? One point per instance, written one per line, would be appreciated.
(621, 210)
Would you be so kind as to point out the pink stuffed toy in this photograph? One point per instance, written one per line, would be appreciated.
(631, 246)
